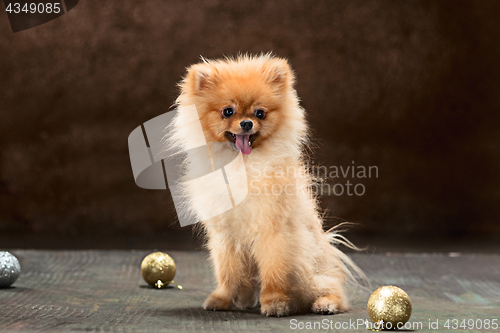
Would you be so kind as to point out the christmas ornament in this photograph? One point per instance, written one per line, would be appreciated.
(391, 305)
(158, 269)
(9, 269)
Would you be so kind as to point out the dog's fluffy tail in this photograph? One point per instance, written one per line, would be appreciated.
(354, 274)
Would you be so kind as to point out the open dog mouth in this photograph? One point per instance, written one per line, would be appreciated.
(242, 142)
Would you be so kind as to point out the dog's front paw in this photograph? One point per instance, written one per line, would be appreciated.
(214, 303)
(275, 307)
(329, 304)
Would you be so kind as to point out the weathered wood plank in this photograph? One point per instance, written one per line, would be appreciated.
(103, 291)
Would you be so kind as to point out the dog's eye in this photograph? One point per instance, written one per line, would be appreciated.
(260, 114)
(227, 112)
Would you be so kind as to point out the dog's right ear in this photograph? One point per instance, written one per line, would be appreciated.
(200, 77)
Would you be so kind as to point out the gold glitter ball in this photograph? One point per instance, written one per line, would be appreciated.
(158, 269)
(390, 304)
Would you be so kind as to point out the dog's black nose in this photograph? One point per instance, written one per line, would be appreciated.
(246, 125)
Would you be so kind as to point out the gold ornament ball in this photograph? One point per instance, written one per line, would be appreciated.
(390, 304)
(158, 269)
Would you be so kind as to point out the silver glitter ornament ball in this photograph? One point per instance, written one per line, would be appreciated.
(9, 269)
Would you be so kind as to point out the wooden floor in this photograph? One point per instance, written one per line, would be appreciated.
(103, 291)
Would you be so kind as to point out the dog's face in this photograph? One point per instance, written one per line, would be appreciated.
(241, 101)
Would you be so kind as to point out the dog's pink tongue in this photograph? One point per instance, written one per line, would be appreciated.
(242, 144)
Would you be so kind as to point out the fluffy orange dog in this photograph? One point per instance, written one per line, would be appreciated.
(270, 248)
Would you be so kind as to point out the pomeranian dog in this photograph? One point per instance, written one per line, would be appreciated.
(270, 248)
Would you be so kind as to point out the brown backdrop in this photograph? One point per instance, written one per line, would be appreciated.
(411, 87)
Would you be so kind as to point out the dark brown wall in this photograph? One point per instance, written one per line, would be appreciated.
(411, 87)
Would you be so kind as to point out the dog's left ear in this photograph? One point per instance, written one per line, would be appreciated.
(279, 73)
